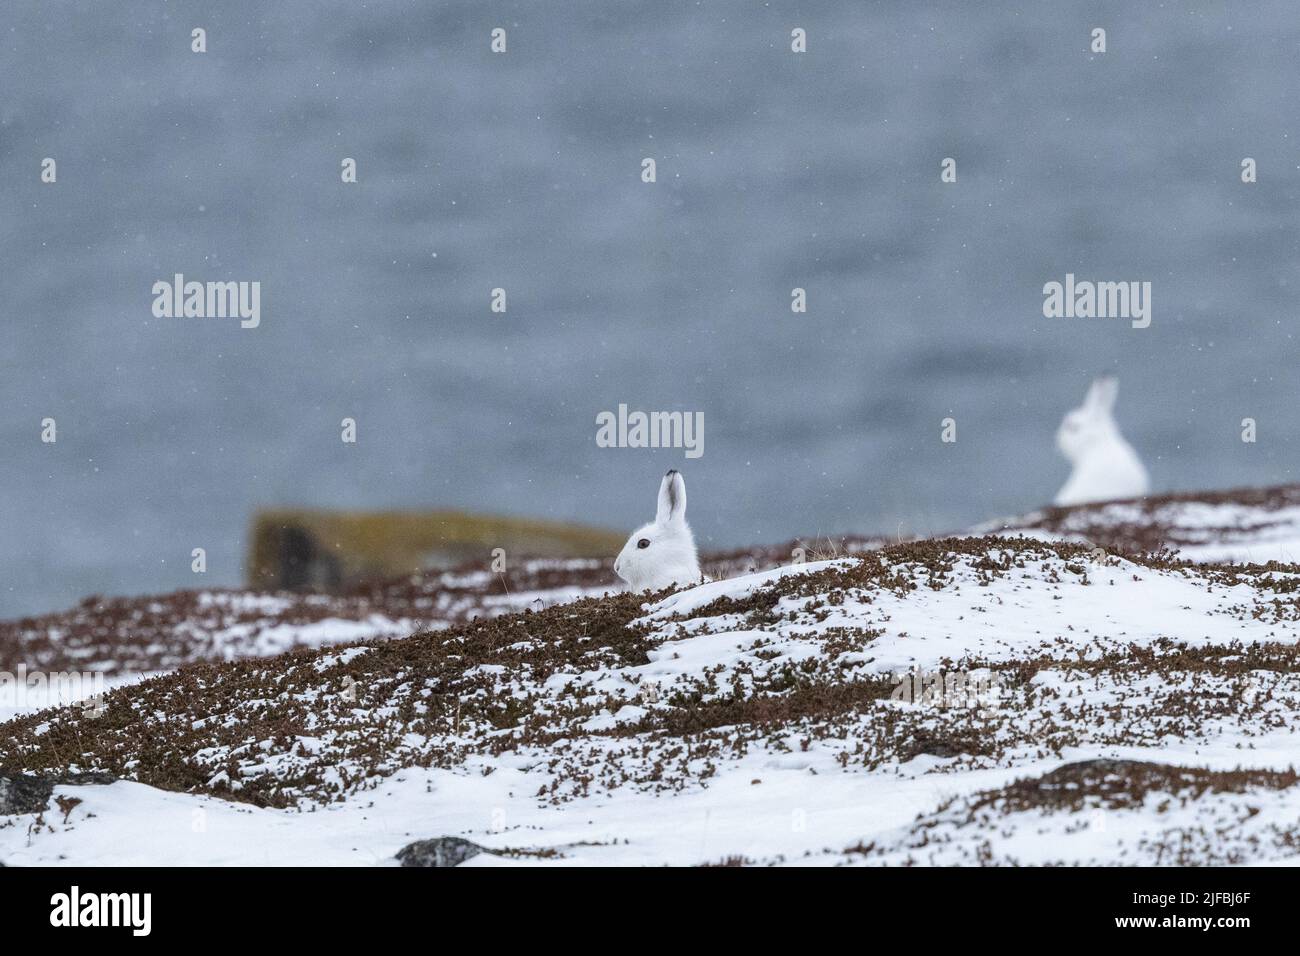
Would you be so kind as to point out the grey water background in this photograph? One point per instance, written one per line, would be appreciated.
(522, 171)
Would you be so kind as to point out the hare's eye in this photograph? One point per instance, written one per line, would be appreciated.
(643, 543)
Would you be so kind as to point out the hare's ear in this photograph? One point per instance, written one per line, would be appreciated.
(672, 499)
(1102, 394)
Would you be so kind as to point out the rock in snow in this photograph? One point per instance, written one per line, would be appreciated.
(30, 793)
(442, 851)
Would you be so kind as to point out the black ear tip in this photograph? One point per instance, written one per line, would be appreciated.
(671, 472)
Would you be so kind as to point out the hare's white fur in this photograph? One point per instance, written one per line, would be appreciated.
(1105, 466)
(668, 557)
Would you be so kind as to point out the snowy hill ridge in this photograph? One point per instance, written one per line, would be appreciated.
(1241, 524)
(925, 703)
(121, 637)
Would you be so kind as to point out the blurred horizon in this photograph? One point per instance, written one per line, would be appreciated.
(522, 171)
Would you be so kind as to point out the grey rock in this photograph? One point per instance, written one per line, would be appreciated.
(27, 793)
(440, 851)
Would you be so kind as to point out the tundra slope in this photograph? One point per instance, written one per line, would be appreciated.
(124, 636)
(1251, 525)
(756, 719)
(130, 636)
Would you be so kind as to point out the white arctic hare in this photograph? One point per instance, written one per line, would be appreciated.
(1105, 466)
(661, 554)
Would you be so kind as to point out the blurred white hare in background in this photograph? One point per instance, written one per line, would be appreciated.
(1105, 466)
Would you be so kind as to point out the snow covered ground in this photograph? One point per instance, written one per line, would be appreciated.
(1251, 525)
(957, 702)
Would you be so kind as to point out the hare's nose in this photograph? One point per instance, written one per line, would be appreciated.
(616, 565)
